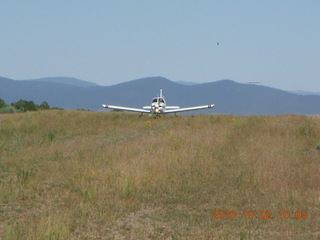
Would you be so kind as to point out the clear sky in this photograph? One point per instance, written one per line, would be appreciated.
(275, 42)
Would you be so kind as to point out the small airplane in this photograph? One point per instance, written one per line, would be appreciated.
(158, 106)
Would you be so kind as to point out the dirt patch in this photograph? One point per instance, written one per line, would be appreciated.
(141, 224)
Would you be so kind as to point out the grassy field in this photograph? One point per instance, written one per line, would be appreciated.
(89, 175)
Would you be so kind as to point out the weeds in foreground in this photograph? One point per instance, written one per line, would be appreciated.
(86, 175)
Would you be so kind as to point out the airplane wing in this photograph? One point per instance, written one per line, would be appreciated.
(126, 108)
(189, 108)
(172, 107)
(147, 108)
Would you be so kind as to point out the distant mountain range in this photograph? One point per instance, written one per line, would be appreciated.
(64, 80)
(230, 97)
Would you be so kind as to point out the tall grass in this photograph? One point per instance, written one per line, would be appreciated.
(86, 175)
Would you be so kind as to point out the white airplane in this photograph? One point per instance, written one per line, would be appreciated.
(158, 106)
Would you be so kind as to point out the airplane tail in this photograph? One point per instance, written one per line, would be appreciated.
(161, 92)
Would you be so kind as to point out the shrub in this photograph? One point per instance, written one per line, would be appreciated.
(9, 109)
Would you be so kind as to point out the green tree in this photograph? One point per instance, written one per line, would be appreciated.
(2, 103)
(24, 106)
(44, 105)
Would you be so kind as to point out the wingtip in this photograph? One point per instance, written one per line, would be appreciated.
(104, 105)
(211, 105)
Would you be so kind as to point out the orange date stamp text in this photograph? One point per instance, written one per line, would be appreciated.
(300, 214)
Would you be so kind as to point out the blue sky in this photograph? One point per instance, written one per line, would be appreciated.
(273, 42)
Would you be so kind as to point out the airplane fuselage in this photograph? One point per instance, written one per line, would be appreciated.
(158, 105)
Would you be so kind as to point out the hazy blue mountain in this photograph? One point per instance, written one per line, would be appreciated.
(187, 83)
(230, 97)
(306, 92)
(65, 80)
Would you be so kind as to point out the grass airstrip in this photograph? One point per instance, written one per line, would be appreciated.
(89, 175)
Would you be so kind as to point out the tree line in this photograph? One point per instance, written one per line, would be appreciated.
(22, 106)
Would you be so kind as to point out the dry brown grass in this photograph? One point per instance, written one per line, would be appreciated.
(86, 175)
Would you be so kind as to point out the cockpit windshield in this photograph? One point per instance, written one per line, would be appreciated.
(158, 99)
